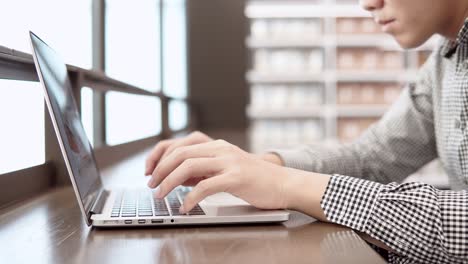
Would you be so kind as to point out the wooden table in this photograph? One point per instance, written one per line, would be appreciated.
(51, 229)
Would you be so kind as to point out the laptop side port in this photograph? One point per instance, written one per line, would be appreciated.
(128, 222)
(157, 221)
(141, 221)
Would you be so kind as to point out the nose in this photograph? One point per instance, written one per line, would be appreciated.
(371, 5)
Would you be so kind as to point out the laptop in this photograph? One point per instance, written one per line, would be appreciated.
(103, 207)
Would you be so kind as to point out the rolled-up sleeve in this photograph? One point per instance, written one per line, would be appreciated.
(420, 223)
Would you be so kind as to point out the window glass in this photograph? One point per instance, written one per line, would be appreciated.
(63, 24)
(133, 42)
(178, 115)
(87, 112)
(130, 117)
(175, 48)
(22, 125)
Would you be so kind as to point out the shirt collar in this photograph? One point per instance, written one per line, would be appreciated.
(449, 46)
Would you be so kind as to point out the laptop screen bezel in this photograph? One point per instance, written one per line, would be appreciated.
(97, 187)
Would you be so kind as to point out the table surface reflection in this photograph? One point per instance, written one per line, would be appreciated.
(51, 229)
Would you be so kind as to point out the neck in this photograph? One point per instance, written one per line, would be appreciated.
(457, 21)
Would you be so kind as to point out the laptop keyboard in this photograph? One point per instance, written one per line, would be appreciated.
(144, 204)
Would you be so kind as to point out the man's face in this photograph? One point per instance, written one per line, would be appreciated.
(410, 22)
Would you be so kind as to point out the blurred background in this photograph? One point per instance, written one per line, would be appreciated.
(322, 72)
(288, 72)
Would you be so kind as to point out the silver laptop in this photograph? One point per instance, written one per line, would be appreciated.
(107, 208)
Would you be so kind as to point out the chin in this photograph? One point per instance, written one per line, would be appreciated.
(410, 41)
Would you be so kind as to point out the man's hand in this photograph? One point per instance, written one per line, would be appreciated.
(166, 147)
(218, 166)
(214, 166)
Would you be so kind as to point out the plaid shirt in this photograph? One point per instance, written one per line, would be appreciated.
(420, 223)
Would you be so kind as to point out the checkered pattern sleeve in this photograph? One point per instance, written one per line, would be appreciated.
(420, 223)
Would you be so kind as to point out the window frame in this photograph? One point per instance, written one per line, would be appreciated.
(15, 65)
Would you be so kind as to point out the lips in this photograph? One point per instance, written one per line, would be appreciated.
(385, 23)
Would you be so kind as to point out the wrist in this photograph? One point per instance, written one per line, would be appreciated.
(272, 158)
(304, 191)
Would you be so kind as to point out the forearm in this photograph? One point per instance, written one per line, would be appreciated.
(304, 191)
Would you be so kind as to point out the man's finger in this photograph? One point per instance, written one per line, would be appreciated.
(192, 182)
(169, 164)
(204, 189)
(189, 169)
(192, 139)
(155, 155)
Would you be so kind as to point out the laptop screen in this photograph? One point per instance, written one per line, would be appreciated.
(75, 146)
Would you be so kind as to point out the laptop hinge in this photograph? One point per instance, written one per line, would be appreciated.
(99, 203)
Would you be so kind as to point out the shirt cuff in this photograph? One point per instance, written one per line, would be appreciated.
(350, 201)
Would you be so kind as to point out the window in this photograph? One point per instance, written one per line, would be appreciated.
(131, 117)
(22, 125)
(133, 48)
(133, 42)
(64, 25)
(175, 48)
(87, 112)
(178, 115)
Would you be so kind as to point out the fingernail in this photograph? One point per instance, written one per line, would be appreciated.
(151, 183)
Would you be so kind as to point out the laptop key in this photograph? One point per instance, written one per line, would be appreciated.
(161, 213)
(145, 214)
(196, 213)
(132, 205)
(176, 212)
(128, 215)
